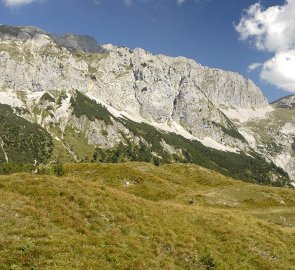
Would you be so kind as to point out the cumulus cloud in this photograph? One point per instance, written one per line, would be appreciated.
(280, 70)
(272, 30)
(16, 3)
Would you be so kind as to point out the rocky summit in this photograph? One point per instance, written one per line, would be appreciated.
(67, 98)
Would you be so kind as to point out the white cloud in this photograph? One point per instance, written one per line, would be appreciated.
(130, 2)
(16, 3)
(280, 70)
(254, 66)
(179, 2)
(272, 30)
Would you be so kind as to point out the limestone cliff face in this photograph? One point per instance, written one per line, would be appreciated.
(156, 88)
(159, 75)
(164, 78)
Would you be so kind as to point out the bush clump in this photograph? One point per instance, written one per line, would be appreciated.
(58, 169)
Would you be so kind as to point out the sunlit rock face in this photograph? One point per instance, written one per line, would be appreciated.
(175, 94)
(157, 88)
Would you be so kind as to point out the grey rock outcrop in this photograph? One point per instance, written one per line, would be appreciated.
(78, 42)
(15, 32)
(285, 102)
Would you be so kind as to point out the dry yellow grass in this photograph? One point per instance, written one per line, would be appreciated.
(138, 216)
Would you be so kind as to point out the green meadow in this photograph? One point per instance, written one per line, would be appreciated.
(141, 216)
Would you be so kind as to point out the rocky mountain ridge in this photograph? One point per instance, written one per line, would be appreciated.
(285, 102)
(45, 78)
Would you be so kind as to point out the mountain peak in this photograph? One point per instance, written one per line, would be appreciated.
(71, 41)
(285, 102)
(17, 31)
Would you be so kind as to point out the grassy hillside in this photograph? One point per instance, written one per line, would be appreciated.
(139, 216)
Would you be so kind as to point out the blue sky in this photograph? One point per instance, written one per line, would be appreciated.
(199, 29)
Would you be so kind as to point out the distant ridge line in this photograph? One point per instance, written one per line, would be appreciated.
(273, 102)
